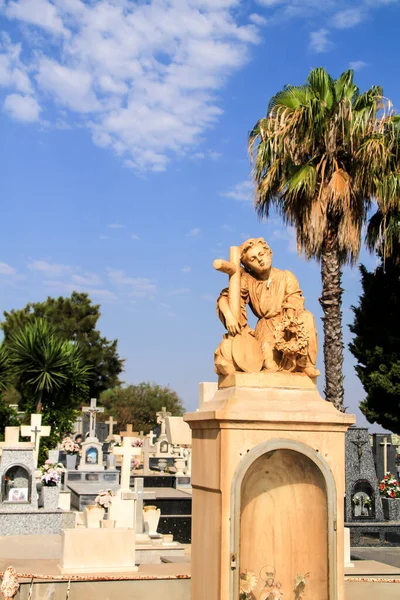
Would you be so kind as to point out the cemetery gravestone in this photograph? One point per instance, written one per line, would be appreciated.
(384, 455)
(35, 431)
(363, 502)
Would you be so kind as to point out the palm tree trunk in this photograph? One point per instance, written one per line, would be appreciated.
(331, 302)
(39, 402)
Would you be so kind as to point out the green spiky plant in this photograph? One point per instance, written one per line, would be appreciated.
(321, 155)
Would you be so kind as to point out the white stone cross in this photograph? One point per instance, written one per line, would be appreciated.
(35, 431)
(129, 431)
(161, 416)
(111, 424)
(127, 451)
(93, 409)
(148, 448)
(385, 443)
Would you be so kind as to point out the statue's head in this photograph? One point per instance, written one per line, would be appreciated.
(256, 256)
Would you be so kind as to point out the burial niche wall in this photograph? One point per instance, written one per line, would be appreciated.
(284, 529)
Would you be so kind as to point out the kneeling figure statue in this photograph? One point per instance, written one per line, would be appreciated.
(285, 337)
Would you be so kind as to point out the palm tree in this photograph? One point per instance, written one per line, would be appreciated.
(45, 366)
(4, 368)
(321, 156)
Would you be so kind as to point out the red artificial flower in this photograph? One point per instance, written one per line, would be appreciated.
(392, 494)
(382, 486)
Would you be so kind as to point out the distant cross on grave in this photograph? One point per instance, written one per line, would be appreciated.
(161, 417)
(129, 431)
(385, 444)
(127, 451)
(93, 409)
(111, 424)
(359, 444)
(35, 431)
(148, 448)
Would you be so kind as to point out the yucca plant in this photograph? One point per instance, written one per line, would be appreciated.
(321, 155)
(44, 365)
(4, 368)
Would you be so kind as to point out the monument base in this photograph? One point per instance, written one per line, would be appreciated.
(268, 486)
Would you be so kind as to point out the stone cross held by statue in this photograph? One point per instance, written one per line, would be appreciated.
(93, 409)
(385, 445)
(161, 417)
(129, 431)
(232, 268)
(111, 424)
(35, 431)
(127, 451)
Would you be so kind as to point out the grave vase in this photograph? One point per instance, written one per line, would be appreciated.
(151, 518)
(391, 509)
(71, 461)
(93, 515)
(50, 497)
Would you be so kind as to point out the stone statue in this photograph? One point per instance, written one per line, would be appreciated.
(285, 337)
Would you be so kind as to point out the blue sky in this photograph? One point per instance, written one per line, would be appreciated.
(123, 157)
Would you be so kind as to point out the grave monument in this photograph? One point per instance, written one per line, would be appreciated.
(268, 451)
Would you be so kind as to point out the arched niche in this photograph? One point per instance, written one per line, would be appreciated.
(283, 524)
(92, 455)
(16, 485)
(363, 501)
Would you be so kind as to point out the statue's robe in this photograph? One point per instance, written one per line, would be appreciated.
(268, 300)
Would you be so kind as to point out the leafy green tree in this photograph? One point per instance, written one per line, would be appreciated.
(50, 375)
(8, 417)
(321, 155)
(75, 318)
(44, 366)
(138, 404)
(376, 344)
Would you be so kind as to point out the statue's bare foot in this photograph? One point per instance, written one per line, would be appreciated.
(311, 371)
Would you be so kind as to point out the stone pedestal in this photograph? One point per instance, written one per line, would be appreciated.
(268, 486)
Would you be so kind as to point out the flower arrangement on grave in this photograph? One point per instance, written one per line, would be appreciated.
(104, 498)
(137, 443)
(69, 446)
(389, 487)
(51, 473)
(248, 582)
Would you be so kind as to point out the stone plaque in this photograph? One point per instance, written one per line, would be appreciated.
(110, 476)
(74, 476)
(92, 476)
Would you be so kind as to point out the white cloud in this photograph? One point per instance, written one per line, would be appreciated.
(22, 108)
(115, 226)
(345, 19)
(6, 269)
(186, 269)
(145, 74)
(357, 65)
(67, 288)
(319, 41)
(49, 269)
(179, 292)
(208, 297)
(140, 287)
(87, 279)
(243, 191)
(135, 236)
(195, 232)
(257, 19)
(287, 234)
(37, 12)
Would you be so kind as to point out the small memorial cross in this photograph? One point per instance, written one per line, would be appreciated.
(127, 451)
(161, 417)
(111, 424)
(385, 445)
(93, 409)
(35, 431)
(129, 431)
(148, 448)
